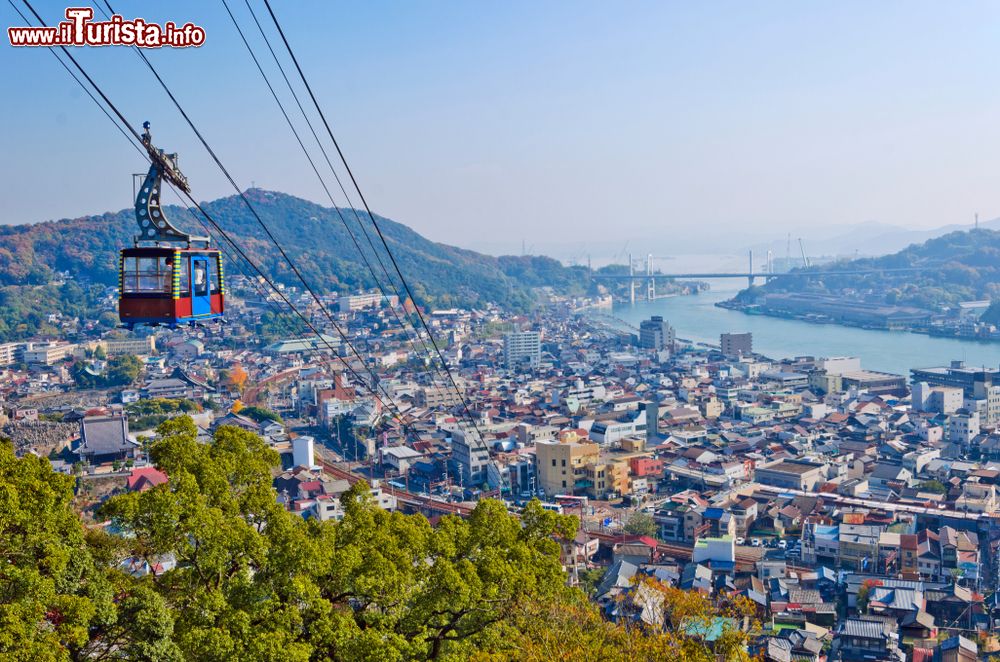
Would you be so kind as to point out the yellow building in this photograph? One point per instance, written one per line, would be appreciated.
(712, 408)
(562, 463)
(573, 465)
(607, 478)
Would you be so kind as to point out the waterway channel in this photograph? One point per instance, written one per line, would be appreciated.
(697, 318)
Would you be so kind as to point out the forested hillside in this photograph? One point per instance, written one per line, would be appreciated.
(960, 266)
(86, 248)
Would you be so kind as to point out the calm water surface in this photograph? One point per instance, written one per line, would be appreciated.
(697, 318)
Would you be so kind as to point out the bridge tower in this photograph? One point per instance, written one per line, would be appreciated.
(650, 283)
(631, 280)
(750, 272)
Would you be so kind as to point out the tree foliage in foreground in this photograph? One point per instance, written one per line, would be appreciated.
(254, 582)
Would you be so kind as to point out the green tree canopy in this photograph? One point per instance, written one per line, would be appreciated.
(641, 524)
(236, 576)
(120, 371)
(61, 595)
(934, 486)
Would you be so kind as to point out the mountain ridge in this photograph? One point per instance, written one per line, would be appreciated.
(87, 246)
(34, 257)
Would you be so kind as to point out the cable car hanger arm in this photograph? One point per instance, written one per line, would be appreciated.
(153, 223)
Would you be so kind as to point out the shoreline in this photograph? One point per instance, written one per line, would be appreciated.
(814, 318)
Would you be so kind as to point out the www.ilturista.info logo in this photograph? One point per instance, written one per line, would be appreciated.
(80, 30)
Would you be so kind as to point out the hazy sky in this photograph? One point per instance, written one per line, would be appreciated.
(479, 122)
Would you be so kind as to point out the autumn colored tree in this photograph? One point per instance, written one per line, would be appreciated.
(238, 377)
(864, 594)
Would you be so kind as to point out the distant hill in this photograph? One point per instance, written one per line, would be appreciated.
(867, 239)
(32, 256)
(959, 266)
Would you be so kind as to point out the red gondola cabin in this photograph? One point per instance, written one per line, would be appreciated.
(173, 278)
(170, 286)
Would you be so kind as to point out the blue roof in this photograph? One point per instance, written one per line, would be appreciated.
(711, 630)
(714, 513)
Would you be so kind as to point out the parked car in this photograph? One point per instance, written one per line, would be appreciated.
(783, 544)
(755, 542)
(741, 541)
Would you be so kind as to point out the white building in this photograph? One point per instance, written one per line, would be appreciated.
(714, 549)
(940, 399)
(303, 452)
(47, 353)
(522, 347)
(9, 352)
(963, 427)
(352, 302)
(137, 346)
(400, 458)
(612, 432)
(839, 365)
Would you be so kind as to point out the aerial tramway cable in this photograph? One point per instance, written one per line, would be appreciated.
(371, 216)
(247, 202)
(125, 123)
(403, 325)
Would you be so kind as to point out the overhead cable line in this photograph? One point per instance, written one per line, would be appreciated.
(371, 216)
(403, 325)
(125, 123)
(252, 209)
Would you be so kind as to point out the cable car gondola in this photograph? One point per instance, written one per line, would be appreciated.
(168, 278)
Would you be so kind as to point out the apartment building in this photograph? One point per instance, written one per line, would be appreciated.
(939, 399)
(522, 347)
(432, 397)
(10, 352)
(470, 457)
(47, 353)
(562, 464)
(137, 346)
(963, 427)
(735, 345)
(655, 333)
(607, 479)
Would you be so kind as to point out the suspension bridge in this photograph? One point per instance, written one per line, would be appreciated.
(650, 276)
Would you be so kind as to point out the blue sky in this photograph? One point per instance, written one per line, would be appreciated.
(486, 123)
